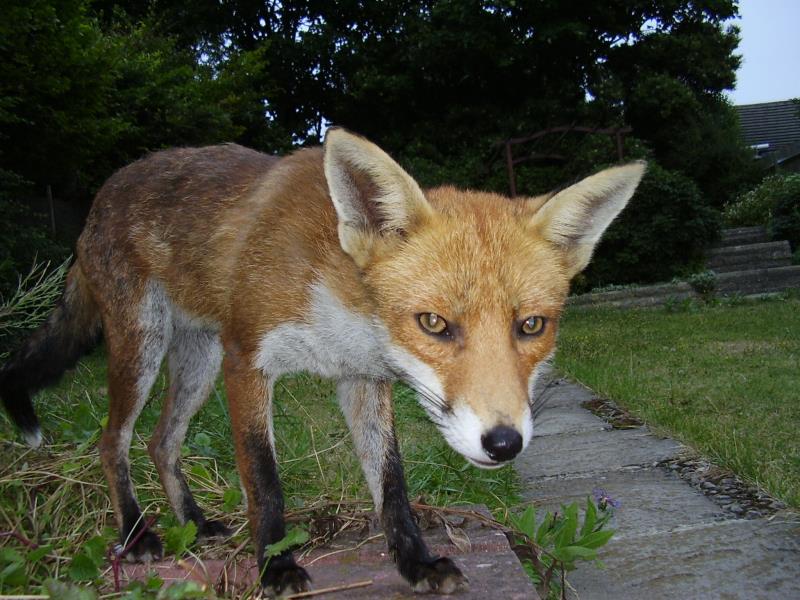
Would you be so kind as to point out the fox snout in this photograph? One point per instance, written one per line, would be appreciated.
(502, 443)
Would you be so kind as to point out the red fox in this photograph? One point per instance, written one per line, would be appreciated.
(331, 260)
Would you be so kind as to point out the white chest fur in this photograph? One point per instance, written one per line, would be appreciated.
(333, 342)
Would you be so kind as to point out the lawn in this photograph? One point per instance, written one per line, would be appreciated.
(723, 379)
(57, 495)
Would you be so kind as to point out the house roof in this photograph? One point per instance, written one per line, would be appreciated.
(773, 123)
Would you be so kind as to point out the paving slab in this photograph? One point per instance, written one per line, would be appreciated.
(671, 540)
(552, 391)
(652, 500)
(593, 452)
(559, 420)
(734, 559)
(356, 558)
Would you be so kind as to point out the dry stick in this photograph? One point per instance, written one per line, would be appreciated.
(330, 590)
(116, 557)
(356, 547)
(21, 538)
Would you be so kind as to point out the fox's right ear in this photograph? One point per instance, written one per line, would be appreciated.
(372, 194)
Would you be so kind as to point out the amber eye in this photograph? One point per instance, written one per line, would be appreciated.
(532, 326)
(433, 323)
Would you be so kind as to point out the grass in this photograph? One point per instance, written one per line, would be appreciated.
(57, 495)
(723, 379)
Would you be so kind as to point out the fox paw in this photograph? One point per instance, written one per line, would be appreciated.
(282, 581)
(441, 576)
(213, 529)
(146, 549)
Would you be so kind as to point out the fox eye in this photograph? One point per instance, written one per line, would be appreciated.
(532, 326)
(432, 323)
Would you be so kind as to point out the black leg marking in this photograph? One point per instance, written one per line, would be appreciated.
(425, 572)
(147, 547)
(280, 573)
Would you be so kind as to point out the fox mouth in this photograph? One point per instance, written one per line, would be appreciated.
(485, 464)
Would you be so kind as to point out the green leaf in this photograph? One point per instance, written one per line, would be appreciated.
(596, 539)
(154, 582)
(526, 522)
(590, 518)
(544, 528)
(68, 591)
(568, 554)
(83, 568)
(177, 539)
(37, 554)
(199, 470)
(13, 575)
(95, 549)
(182, 591)
(9, 555)
(566, 536)
(231, 499)
(294, 537)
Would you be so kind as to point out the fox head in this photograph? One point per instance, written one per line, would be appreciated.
(469, 285)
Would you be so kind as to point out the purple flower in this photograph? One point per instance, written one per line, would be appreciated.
(603, 500)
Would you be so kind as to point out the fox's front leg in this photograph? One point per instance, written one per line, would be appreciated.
(250, 401)
(367, 406)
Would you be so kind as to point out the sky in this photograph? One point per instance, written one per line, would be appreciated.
(770, 46)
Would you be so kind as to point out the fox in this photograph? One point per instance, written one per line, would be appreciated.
(331, 260)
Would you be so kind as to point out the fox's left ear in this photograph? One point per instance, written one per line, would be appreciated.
(372, 194)
(575, 218)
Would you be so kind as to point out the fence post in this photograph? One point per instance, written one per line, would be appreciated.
(52, 208)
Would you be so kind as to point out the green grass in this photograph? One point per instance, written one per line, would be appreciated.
(723, 379)
(57, 495)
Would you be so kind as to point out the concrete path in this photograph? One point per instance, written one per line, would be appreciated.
(672, 540)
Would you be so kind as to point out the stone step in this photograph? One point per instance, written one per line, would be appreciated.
(751, 282)
(750, 256)
(759, 281)
(743, 235)
(358, 558)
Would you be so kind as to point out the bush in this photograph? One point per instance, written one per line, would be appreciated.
(23, 240)
(662, 233)
(785, 222)
(757, 206)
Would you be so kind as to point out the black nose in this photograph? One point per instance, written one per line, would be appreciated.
(502, 443)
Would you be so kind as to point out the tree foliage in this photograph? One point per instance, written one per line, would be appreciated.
(89, 85)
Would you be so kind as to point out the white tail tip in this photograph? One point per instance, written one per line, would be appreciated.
(33, 438)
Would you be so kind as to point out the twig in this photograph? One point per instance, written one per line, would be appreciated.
(21, 538)
(116, 557)
(330, 590)
(356, 547)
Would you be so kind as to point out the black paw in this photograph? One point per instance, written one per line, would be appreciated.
(440, 576)
(213, 529)
(146, 549)
(284, 580)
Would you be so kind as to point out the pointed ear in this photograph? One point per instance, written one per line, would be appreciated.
(575, 218)
(372, 194)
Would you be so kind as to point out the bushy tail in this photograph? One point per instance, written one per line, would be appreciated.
(71, 330)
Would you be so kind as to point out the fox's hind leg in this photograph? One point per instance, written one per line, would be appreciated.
(194, 358)
(368, 410)
(136, 340)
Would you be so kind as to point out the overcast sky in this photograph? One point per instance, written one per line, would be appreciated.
(770, 46)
